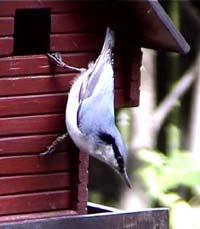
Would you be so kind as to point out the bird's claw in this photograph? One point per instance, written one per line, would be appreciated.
(51, 149)
(56, 58)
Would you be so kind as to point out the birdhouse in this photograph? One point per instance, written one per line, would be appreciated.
(33, 92)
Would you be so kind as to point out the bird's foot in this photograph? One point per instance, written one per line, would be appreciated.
(56, 58)
(51, 149)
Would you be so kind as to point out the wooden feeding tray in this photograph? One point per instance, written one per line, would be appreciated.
(100, 217)
(33, 93)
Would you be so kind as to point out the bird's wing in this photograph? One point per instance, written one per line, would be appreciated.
(96, 114)
(96, 69)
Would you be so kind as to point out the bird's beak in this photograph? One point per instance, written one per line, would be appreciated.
(125, 178)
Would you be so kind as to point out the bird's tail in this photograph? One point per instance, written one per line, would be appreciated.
(109, 41)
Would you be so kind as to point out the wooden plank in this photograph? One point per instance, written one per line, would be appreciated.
(42, 104)
(78, 22)
(81, 192)
(6, 46)
(26, 85)
(35, 202)
(34, 164)
(33, 105)
(40, 124)
(32, 144)
(7, 8)
(82, 42)
(40, 215)
(39, 64)
(6, 26)
(144, 219)
(34, 183)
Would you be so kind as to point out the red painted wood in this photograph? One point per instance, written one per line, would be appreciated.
(78, 22)
(39, 64)
(80, 192)
(34, 183)
(34, 164)
(42, 104)
(7, 8)
(26, 85)
(35, 202)
(32, 144)
(6, 46)
(134, 93)
(40, 124)
(31, 105)
(6, 26)
(136, 63)
(76, 42)
(40, 215)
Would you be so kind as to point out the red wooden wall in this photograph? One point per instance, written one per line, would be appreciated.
(33, 96)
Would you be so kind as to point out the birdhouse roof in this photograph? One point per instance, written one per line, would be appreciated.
(152, 26)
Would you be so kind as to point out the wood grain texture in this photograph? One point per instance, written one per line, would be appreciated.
(26, 85)
(34, 164)
(33, 105)
(85, 42)
(136, 63)
(40, 124)
(39, 64)
(6, 26)
(78, 22)
(35, 202)
(44, 104)
(143, 219)
(31, 144)
(8, 8)
(39, 84)
(80, 191)
(34, 183)
(6, 46)
(40, 215)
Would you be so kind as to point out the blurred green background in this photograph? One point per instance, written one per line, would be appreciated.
(163, 134)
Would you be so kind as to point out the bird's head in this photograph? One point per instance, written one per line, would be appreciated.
(114, 153)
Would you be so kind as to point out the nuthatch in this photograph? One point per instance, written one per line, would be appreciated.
(90, 117)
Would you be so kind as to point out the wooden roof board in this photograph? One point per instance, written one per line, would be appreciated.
(152, 27)
(146, 19)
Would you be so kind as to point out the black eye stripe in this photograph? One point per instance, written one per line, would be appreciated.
(107, 138)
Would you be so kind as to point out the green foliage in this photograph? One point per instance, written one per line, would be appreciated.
(164, 176)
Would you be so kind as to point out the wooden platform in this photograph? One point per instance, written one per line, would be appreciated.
(100, 217)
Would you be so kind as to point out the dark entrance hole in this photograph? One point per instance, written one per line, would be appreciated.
(32, 30)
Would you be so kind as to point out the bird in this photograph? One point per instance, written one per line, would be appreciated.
(90, 114)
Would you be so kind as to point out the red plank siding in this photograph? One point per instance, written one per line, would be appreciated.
(7, 8)
(35, 202)
(29, 144)
(26, 85)
(39, 215)
(82, 22)
(34, 164)
(36, 84)
(6, 46)
(81, 193)
(34, 183)
(31, 105)
(75, 42)
(44, 104)
(39, 64)
(6, 26)
(42, 124)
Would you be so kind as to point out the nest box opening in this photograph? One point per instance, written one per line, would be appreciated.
(32, 31)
